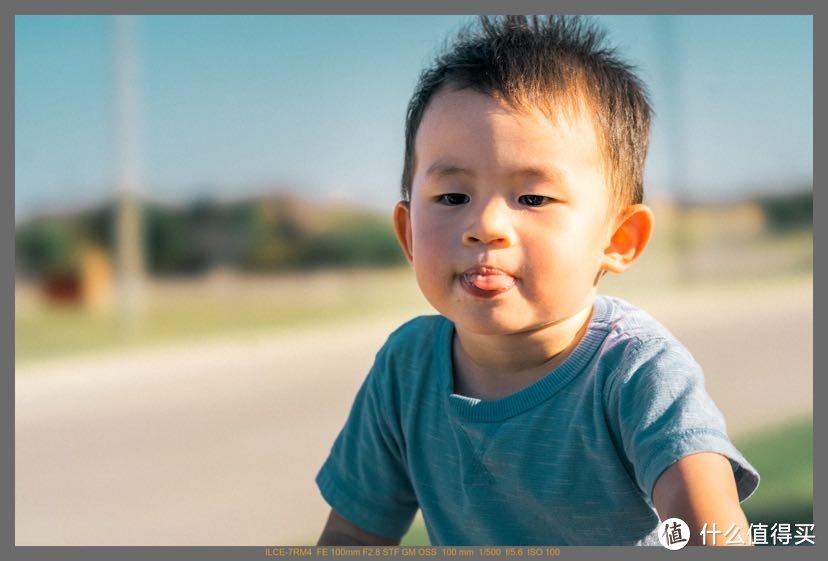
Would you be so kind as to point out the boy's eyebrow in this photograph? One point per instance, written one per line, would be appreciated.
(543, 173)
(443, 169)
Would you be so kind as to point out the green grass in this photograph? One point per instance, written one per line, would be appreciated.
(784, 457)
(417, 534)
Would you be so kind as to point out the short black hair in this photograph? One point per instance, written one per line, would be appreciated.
(553, 63)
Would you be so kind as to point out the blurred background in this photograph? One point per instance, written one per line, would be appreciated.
(205, 264)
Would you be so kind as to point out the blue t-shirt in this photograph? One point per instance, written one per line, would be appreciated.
(569, 460)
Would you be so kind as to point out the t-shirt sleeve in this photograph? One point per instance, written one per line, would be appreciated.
(364, 478)
(663, 413)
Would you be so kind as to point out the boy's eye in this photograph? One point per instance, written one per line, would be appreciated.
(453, 199)
(534, 200)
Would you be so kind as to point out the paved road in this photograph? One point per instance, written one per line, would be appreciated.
(217, 443)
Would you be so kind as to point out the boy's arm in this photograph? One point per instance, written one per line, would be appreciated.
(700, 488)
(339, 531)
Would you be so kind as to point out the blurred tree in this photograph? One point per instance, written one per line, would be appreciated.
(171, 246)
(272, 234)
(49, 247)
(789, 212)
(365, 241)
(270, 241)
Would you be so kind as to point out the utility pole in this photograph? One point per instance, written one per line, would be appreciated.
(671, 61)
(128, 235)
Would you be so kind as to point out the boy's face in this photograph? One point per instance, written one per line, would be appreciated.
(509, 214)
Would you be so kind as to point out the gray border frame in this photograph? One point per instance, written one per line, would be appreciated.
(14, 7)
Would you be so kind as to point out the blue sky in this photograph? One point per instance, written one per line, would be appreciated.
(231, 105)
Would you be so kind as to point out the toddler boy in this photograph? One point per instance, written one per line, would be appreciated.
(531, 410)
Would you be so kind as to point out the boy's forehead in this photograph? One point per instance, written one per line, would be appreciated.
(566, 113)
(455, 113)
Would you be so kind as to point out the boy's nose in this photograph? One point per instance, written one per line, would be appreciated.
(491, 226)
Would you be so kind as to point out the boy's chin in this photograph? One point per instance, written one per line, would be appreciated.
(504, 323)
(493, 325)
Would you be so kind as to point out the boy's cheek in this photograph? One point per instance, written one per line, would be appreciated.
(423, 253)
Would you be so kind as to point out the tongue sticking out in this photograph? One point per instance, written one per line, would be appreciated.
(491, 281)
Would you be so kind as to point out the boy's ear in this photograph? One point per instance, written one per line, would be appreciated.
(631, 236)
(402, 227)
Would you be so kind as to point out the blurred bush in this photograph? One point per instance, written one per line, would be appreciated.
(356, 242)
(48, 248)
(276, 233)
(789, 212)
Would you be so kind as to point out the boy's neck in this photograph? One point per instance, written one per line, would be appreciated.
(493, 366)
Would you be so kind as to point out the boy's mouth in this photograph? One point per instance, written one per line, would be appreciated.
(486, 282)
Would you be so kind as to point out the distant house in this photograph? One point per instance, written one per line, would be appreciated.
(90, 283)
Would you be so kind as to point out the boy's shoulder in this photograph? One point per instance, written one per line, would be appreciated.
(418, 330)
(420, 326)
(633, 340)
(638, 349)
(625, 322)
(416, 356)
(418, 340)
